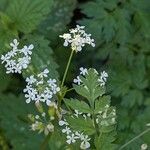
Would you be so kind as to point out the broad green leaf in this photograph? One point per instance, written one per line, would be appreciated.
(27, 14)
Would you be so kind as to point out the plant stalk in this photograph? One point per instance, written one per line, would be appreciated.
(135, 138)
(66, 70)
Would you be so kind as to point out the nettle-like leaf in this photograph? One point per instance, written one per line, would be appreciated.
(91, 111)
(42, 56)
(14, 123)
(26, 15)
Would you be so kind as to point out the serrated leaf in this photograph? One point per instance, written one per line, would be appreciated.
(27, 14)
(91, 88)
(75, 104)
(104, 141)
(101, 103)
(81, 124)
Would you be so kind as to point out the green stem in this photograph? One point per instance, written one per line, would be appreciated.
(45, 142)
(67, 67)
(135, 138)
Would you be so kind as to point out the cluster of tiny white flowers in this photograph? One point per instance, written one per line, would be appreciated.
(73, 136)
(83, 71)
(77, 38)
(17, 59)
(39, 124)
(40, 89)
(103, 78)
(106, 117)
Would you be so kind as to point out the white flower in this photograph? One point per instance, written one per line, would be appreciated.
(17, 59)
(71, 138)
(44, 73)
(78, 80)
(85, 144)
(77, 38)
(77, 113)
(62, 122)
(31, 80)
(27, 50)
(38, 89)
(14, 44)
(103, 78)
(66, 130)
(83, 71)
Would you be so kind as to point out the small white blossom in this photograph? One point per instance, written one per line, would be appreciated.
(77, 38)
(77, 113)
(78, 80)
(62, 122)
(66, 130)
(44, 73)
(83, 71)
(85, 142)
(71, 138)
(103, 78)
(17, 59)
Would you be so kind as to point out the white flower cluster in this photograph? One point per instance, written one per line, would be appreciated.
(73, 136)
(77, 38)
(39, 124)
(106, 117)
(17, 59)
(40, 89)
(83, 71)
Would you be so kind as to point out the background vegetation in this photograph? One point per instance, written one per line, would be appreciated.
(121, 29)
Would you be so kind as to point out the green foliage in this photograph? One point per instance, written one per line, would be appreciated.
(121, 30)
(59, 17)
(97, 105)
(13, 121)
(26, 15)
(42, 56)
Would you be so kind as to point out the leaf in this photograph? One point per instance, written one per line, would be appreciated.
(75, 104)
(12, 121)
(27, 14)
(104, 141)
(101, 103)
(91, 88)
(80, 124)
(42, 56)
(56, 21)
(57, 141)
(132, 98)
